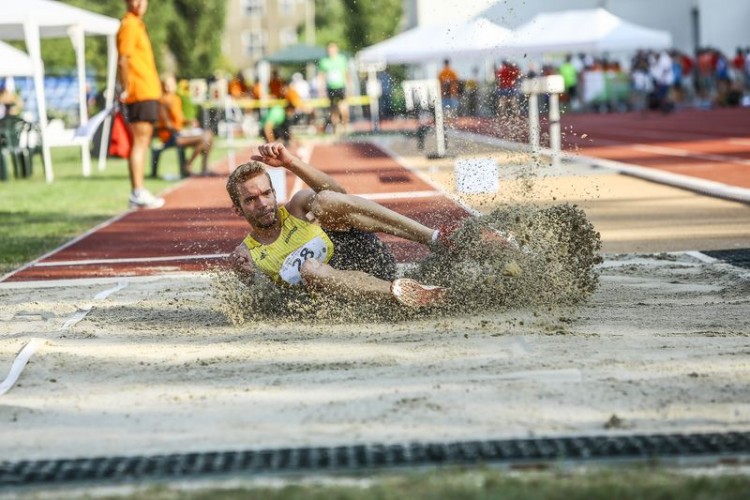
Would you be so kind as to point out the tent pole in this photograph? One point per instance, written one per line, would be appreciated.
(78, 38)
(109, 97)
(33, 46)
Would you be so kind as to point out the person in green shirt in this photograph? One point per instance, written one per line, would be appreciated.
(274, 126)
(570, 77)
(334, 76)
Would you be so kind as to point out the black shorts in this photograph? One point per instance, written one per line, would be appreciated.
(356, 250)
(336, 95)
(142, 111)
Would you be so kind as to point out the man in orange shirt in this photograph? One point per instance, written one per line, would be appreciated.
(449, 87)
(142, 91)
(172, 131)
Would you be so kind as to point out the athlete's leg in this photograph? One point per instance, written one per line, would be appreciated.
(319, 276)
(142, 133)
(340, 212)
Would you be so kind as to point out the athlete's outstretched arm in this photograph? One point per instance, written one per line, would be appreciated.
(276, 155)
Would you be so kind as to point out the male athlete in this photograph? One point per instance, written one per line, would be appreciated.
(322, 238)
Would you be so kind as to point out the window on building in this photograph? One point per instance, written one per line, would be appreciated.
(254, 7)
(254, 43)
(286, 7)
(287, 36)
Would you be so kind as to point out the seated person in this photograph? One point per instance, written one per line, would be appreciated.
(10, 102)
(171, 128)
(274, 125)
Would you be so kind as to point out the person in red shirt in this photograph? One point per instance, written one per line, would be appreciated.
(506, 81)
(738, 65)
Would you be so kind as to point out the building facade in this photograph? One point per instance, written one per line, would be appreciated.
(257, 28)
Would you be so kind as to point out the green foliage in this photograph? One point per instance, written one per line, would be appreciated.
(355, 24)
(188, 29)
(481, 484)
(194, 35)
(36, 217)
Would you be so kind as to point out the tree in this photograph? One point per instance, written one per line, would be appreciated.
(365, 21)
(194, 35)
(189, 29)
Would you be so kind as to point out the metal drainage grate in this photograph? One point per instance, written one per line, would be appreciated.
(514, 452)
(737, 257)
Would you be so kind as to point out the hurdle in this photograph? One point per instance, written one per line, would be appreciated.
(552, 85)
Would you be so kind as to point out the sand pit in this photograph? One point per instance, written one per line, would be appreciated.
(155, 368)
(662, 345)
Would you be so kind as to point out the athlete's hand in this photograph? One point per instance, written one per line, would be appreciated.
(241, 261)
(274, 154)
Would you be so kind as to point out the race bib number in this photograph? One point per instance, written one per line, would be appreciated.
(313, 249)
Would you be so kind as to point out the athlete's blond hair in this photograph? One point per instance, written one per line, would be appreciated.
(241, 174)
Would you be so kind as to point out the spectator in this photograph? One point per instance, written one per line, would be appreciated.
(641, 85)
(334, 77)
(237, 87)
(662, 72)
(448, 87)
(738, 66)
(506, 80)
(276, 85)
(570, 78)
(10, 102)
(138, 76)
(171, 128)
(472, 92)
(274, 125)
(189, 110)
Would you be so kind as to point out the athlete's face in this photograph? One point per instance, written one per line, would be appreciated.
(258, 202)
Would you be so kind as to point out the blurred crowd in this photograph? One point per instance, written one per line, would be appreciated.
(652, 80)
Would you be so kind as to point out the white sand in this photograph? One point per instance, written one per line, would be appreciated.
(664, 345)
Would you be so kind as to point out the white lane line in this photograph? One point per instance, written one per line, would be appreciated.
(20, 363)
(437, 187)
(81, 313)
(401, 195)
(130, 260)
(34, 344)
(66, 245)
(684, 153)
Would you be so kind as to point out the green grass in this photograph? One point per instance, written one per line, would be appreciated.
(36, 217)
(618, 483)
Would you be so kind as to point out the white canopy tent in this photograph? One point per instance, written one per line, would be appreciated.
(474, 38)
(588, 30)
(32, 20)
(14, 62)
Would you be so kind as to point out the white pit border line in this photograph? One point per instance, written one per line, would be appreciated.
(34, 344)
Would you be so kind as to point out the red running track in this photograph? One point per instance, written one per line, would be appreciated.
(706, 144)
(196, 226)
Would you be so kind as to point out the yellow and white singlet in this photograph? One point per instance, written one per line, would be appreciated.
(298, 241)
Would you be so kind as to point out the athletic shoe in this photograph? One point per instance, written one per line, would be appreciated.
(411, 293)
(143, 199)
(486, 235)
